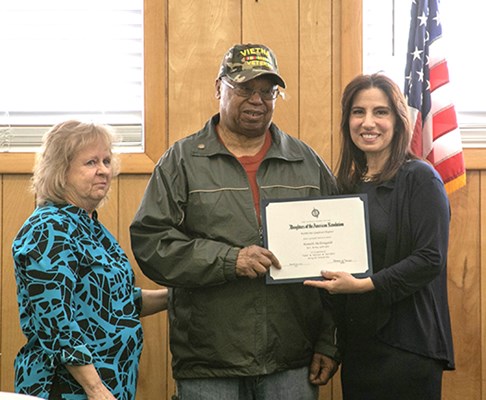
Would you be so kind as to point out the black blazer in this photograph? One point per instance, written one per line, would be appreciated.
(412, 286)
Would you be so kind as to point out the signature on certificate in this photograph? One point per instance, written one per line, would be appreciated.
(343, 261)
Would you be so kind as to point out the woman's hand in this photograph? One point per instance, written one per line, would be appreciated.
(88, 378)
(100, 393)
(342, 283)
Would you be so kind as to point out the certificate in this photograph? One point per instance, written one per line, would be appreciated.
(311, 235)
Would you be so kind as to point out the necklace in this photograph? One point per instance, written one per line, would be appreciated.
(367, 178)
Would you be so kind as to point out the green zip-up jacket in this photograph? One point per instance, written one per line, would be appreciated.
(195, 216)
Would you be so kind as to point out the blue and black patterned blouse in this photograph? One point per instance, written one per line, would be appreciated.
(77, 302)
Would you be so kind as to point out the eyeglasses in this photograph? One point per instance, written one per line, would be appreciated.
(247, 92)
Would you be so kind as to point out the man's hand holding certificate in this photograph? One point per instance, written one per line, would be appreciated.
(311, 235)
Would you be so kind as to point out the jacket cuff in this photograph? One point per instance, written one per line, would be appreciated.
(229, 267)
(328, 350)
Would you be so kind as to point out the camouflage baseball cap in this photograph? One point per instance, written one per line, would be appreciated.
(244, 62)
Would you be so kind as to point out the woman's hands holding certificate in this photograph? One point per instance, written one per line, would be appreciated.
(341, 283)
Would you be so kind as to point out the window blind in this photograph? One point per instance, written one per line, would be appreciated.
(64, 59)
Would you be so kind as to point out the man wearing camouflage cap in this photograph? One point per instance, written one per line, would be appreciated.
(198, 231)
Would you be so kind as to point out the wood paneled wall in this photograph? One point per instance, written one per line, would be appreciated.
(318, 46)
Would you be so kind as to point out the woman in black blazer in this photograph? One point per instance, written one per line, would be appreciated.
(394, 326)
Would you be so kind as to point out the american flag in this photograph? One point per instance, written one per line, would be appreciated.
(436, 134)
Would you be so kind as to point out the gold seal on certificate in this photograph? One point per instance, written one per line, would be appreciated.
(316, 234)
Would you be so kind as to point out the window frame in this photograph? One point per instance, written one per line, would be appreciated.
(155, 91)
(155, 138)
(473, 149)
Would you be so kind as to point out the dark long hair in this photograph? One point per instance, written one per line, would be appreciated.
(352, 162)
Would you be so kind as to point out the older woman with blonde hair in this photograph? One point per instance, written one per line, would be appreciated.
(79, 308)
(60, 145)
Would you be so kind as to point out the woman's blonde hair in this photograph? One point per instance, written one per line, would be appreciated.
(59, 146)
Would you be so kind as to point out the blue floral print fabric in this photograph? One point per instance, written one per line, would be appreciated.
(78, 304)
